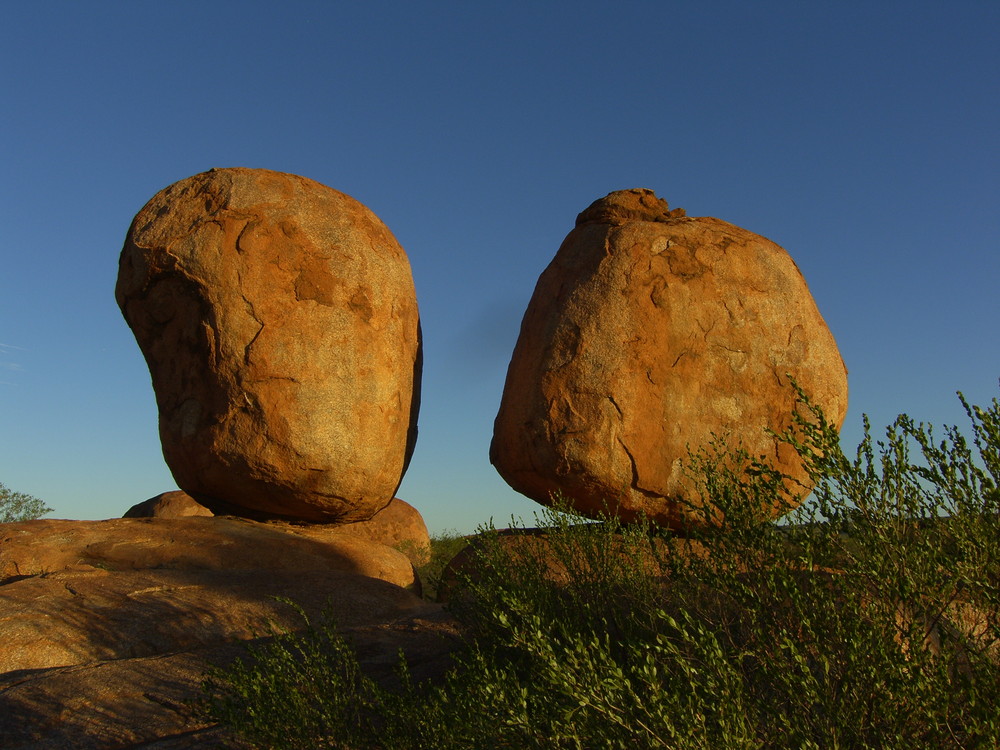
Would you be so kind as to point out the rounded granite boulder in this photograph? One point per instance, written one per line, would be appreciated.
(279, 321)
(648, 333)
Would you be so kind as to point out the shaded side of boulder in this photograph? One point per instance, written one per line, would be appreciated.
(398, 525)
(650, 333)
(279, 321)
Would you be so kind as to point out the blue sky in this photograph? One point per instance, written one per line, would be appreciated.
(862, 137)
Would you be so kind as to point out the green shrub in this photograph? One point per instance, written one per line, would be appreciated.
(17, 506)
(444, 547)
(870, 617)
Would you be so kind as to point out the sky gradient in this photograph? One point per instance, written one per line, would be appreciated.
(861, 137)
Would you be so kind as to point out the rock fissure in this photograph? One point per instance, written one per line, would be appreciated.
(253, 340)
(618, 409)
(635, 485)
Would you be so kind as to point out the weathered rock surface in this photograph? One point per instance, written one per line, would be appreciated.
(125, 703)
(145, 702)
(279, 322)
(175, 504)
(78, 617)
(116, 658)
(398, 525)
(110, 626)
(47, 546)
(647, 333)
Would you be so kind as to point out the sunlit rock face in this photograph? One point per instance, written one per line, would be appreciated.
(649, 332)
(279, 321)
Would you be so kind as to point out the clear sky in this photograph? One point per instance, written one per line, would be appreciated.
(864, 137)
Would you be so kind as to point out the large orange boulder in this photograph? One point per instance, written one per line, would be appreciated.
(649, 332)
(279, 321)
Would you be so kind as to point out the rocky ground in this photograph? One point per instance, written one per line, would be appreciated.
(109, 626)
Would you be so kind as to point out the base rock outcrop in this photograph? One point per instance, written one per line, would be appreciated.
(279, 321)
(398, 525)
(110, 626)
(174, 504)
(31, 548)
(649, 332)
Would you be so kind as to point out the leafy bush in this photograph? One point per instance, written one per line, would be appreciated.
(17, 506)
(869, 618)
(444, 547)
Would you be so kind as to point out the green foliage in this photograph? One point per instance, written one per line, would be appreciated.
(869, 618)
(17, 506)
(444, 547)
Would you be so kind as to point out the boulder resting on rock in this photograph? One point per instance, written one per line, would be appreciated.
(279, 321)
(649, 333)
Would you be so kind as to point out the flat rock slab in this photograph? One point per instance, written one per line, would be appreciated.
(115, 704)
